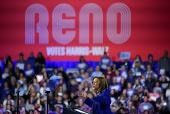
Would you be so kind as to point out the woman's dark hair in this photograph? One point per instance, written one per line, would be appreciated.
(40, 53)
(124, 95)
(102, 83)
(157, 82)
(85, 83)
(135, 99)
(9, 95)
(140, 59)
(21, 54)
(22, 72)
(150, 55)
(138, 81)
(83, 59)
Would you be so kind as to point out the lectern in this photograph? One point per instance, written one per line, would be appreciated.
(74, 111)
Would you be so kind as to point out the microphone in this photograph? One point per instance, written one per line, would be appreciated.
(75, 97)
(72, 99)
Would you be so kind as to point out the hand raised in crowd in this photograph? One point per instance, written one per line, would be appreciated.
(29, 88)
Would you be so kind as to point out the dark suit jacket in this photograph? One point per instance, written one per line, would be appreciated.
(158, 100)
(102, 103)
(150, 88)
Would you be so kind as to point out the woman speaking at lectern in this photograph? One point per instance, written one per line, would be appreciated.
(101, 102)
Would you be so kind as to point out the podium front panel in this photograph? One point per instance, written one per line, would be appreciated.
(73, 111)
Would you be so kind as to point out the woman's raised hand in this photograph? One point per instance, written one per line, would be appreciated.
(83, 94)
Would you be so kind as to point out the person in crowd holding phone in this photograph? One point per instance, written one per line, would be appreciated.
(161, 103)
(138, 62)
(101, 101)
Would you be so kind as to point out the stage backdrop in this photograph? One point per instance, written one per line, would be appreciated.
(67, 29)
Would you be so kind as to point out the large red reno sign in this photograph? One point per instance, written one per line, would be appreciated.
(58, 23)
(67, 29)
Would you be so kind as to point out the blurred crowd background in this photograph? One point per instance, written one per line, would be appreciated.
(135, 86)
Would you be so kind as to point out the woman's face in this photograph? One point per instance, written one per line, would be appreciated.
(130, 104)
(121, 98)
(8, 102)
(124, 91)
(44, 84)
(82, 71)
(108, 77)
(135, 96)
(21, 75)
(91, 69)
(85, 84)
(59, 98)
(133, 107)
(117, 73)
(29, 66)
(163, 77)
(5, 84)
(82, 59)
(57, 109)
(146, 112)
(114, 66)
(137, 57)
(34, 81)
(56, 71)
(61, 68)
(61, 89)
(123, 67)
(59, 74)
(114, 79)
(45, 75)
(122, 79)
(142, 77)
(9, 97)
(129, 85)
(72, 82)
(157, 84)
(33, 89)
(80, 87)
(81, 102)
(18, 85)
(96, 84)
(155, 91)
(137, 82)
(108, 68)
(39, 55)
(65, 97)
(145, 91)
(8, 107)
(112, 92)
(115, 104)
(9, 64)
(72, 95)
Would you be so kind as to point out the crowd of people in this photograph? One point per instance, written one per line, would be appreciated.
(135, 88)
